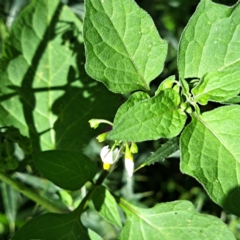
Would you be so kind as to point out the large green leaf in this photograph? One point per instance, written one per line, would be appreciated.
(171, 221)
(123, 47)
(209, 50)
(106, 205)
(69, 170)
(53, 226)
(210, 40)
(151, 119)
(210, 153)
(37, 68)
(41, 92)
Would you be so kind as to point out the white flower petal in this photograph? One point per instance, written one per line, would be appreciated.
(129, 165)
(110, 156)
(106, 155)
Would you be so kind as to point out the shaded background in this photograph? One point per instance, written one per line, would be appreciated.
(157, 183)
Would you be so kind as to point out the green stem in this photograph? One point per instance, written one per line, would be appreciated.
(31, 194)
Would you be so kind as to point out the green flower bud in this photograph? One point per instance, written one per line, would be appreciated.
(134, 148)
(102, 137)
(94, 123)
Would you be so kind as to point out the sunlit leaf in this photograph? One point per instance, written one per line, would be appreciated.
(45, 91)
(171, 221)
(132, 100)
(209, 50)
(210, 153)
(158, 117)
(123, 47)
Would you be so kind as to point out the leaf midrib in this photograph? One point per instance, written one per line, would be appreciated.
(124, 45)
(215, 135)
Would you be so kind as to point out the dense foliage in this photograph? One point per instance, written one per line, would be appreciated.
(148, 99)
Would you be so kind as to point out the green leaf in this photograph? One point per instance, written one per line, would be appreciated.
(53, 226)
(123, 47)
(150, 119)
(210, 41)
(93, 235)
(68, 170)
(41, 92)
(210, 153)
(233, 100)
(218, 86)
(36, 70)
(78, 106)
(166, 83)
(209, 51)
(106, 205)
(132, 100)
(171, 221)
(166, 149)
(10, 198)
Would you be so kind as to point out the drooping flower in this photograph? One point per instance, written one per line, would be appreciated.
(129, 163)
(109, 156)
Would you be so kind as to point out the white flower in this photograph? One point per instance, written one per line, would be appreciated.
(109, 156)
(129, 165)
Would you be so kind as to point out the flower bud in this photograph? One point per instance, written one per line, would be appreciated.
(134, 148)
(94, 123)
(102, 137)
(129, 164)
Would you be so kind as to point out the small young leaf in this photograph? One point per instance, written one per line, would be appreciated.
(151, 119)
(218, 86)
(52, 226)
(210, 153)
(68, 170)
(134, 99)
(106, 205)
(166, 149)
(123, 47)
(171, 221)
(166, 83)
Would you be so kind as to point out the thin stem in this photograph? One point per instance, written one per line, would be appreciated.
(31, 194)
(106, 121)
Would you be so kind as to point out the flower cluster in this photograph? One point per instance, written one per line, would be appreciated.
(111, 155)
